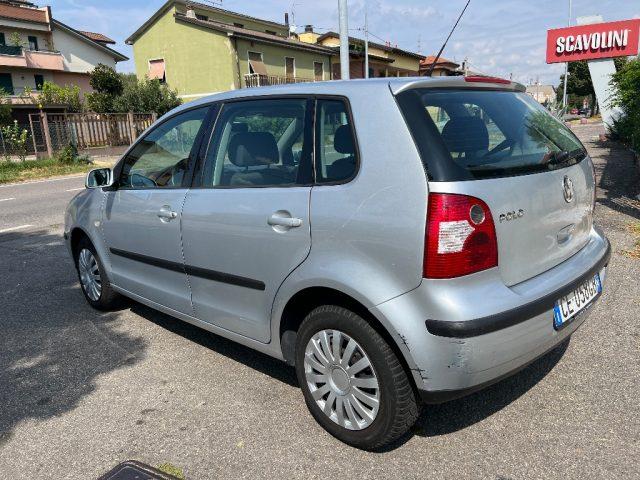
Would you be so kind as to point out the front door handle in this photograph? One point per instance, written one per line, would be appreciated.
(166, 214)
(282, 221)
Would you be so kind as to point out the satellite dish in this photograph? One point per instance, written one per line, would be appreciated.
(292, 28)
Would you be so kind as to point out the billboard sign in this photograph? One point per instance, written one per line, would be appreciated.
(593, 41)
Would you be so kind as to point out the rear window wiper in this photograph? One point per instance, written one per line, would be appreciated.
(560, 157)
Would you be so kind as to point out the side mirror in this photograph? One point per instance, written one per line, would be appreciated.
(99, 177)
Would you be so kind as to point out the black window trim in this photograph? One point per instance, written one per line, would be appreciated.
(197, 182)
(193, 155)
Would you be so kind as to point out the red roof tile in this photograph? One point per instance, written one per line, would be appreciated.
(98, 37)
(430, 58)
(23, 13)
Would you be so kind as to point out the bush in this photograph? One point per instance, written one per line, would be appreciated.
(15, 141)
(69, 156)
(69, 95)
(626, 84)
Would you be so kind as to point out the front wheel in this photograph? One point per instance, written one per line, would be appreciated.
(93, 278)
(353, 383)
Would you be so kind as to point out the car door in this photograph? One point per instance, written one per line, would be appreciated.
(246, 225)
(141, 221)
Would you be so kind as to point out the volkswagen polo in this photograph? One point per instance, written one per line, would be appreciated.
(399, 242)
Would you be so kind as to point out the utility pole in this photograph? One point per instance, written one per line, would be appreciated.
(344, 40)
(566, 69)
(366, 43)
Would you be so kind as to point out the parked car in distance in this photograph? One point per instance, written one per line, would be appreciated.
(399, 241)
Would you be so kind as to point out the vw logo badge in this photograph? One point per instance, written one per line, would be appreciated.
(567, 189)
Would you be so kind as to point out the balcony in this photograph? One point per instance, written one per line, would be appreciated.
(260, 80)
(11, 56)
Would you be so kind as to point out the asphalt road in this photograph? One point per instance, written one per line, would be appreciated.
(81, 391)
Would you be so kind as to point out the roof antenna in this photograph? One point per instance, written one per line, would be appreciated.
(435, 60)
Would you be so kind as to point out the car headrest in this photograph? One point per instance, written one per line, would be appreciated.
(466, 134)
(343, 140)
(250, 149)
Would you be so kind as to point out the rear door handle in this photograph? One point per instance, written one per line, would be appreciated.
(166, 214)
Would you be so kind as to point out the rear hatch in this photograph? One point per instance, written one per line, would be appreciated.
(501, 146)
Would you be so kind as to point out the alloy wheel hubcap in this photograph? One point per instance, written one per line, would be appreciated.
(89, 274)
(341, 379)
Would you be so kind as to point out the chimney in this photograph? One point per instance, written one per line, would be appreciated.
(286, 19)
(308, 29)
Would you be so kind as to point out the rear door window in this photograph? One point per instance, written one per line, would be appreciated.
(466, 134)
(335, 142)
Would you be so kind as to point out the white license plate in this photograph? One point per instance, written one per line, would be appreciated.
(570, 305)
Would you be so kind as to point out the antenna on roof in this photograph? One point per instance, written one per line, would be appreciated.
(435, 60)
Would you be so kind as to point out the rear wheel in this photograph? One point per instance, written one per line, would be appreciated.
(353, 383)
(93, 279)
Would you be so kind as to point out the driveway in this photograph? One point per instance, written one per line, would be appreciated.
(81, 391)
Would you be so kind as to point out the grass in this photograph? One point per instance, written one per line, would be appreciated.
(170, 469)
(30, 169)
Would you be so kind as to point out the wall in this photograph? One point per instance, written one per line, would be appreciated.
(24, 37)
(79, 56)
(82, 80)
(25, 78)
(199, 61)
(273, 58)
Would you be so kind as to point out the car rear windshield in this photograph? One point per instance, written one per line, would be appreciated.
(465, 134)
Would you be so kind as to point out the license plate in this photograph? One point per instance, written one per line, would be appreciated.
(572, 304)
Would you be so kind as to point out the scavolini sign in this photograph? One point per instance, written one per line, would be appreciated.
(590, 42)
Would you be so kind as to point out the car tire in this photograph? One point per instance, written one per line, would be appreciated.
(368, 407)
(92, 275)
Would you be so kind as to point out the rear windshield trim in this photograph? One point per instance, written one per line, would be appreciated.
(436, 158)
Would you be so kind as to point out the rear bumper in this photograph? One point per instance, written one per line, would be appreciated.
(508, 318)
(453, 352)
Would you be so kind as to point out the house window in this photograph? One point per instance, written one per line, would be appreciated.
(290, 67)
(239, 25)
(39, 81)
(2, 39)
(270, 32)
(318, 71)
(204, 18)
(33, 42)
(157, 70)
(256, 65)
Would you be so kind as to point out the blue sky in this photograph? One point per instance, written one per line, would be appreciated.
(498, 37)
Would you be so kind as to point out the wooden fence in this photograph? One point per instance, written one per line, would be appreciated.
(52, 132)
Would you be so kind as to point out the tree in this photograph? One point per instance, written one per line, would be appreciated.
(121, 93)
(580, 84)
(105, 79)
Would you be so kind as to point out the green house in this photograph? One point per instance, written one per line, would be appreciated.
(199, 50)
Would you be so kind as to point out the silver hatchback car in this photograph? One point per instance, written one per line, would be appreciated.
(399, 241)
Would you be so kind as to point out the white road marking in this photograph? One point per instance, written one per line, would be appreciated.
(19, 184)
(6, 199)
(21, 227)
(75, 189)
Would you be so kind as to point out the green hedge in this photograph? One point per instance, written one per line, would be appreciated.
(626, 83)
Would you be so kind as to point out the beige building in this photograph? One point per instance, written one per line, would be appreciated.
(384, 60)
(544, 94)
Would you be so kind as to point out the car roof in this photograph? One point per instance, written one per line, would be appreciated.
(347, 87)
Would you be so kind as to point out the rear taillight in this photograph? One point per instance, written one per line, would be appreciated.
(460, 236)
